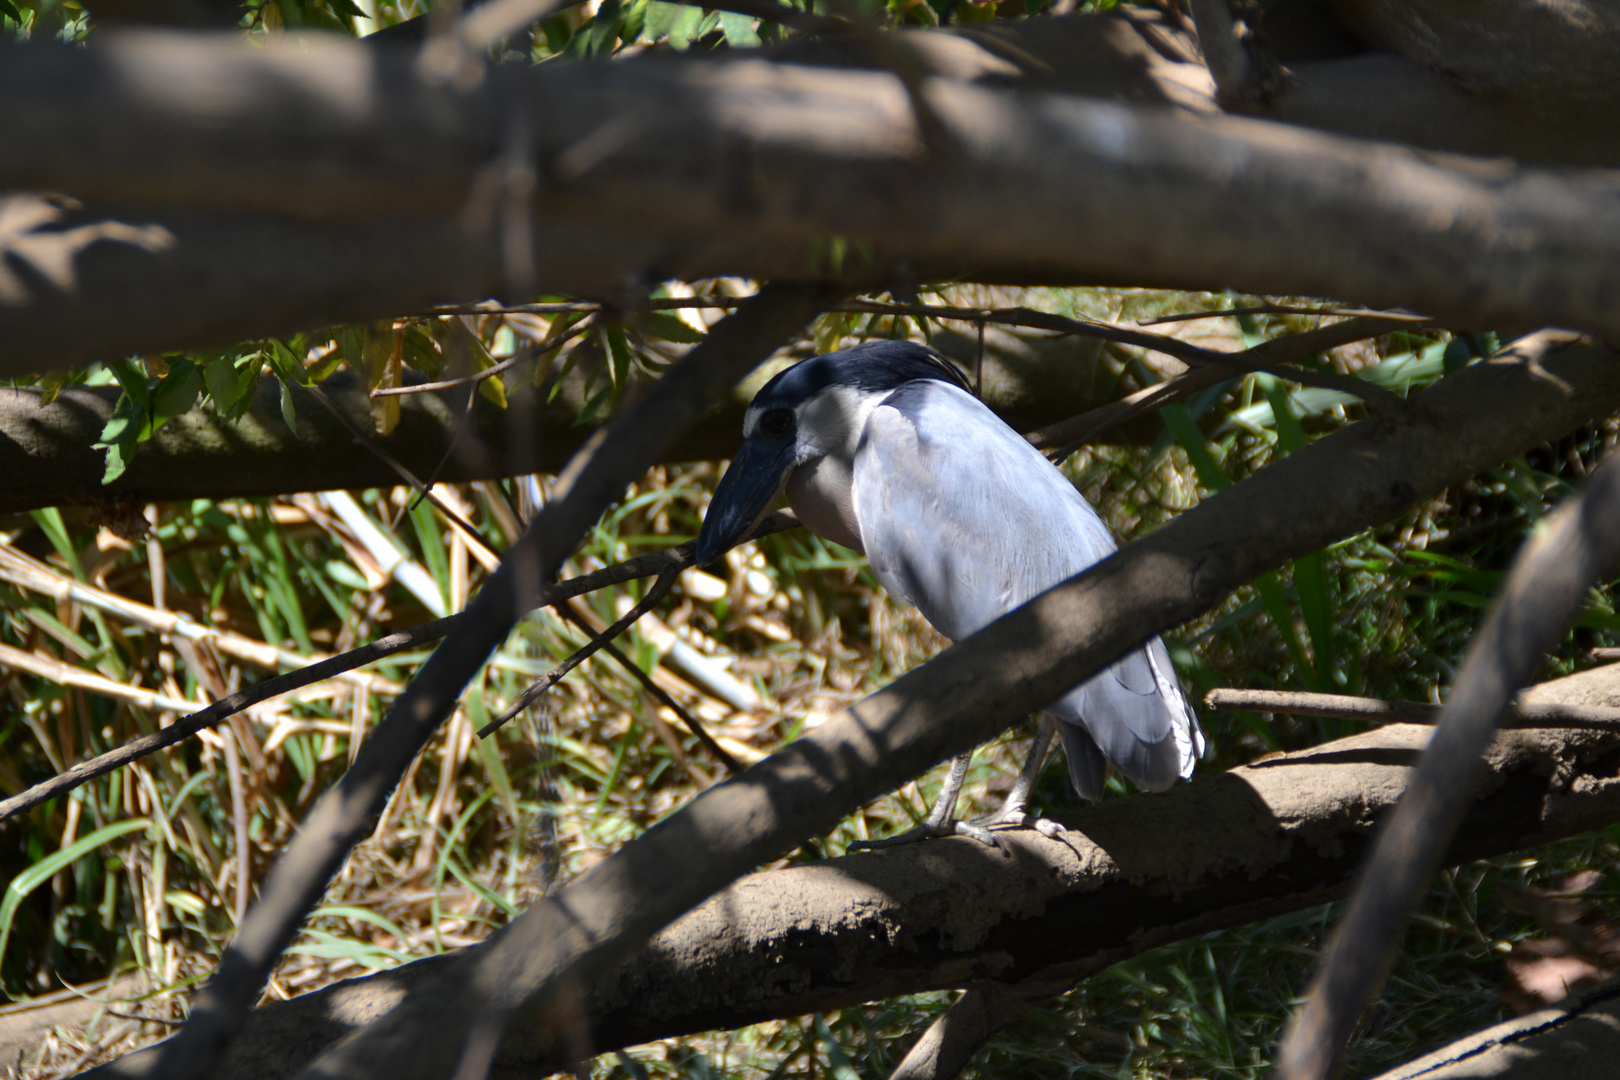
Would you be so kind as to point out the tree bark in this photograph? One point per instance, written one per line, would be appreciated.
(47, 456)
(1285, 833)
(269, 195)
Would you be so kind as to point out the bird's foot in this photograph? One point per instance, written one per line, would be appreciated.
(1013, 816)
(928, 830)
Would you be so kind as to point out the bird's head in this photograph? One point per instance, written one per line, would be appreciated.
(811, 410)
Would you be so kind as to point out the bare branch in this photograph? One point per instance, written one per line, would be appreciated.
(1325, 311)
(522, 356)
(1379, 711)
(724, 167)
(1545, 590)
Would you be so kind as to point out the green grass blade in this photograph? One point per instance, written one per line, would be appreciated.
(42, 871)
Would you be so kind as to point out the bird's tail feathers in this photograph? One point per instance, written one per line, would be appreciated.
(1088, 769)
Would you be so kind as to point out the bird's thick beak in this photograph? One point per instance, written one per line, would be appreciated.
(757, 475)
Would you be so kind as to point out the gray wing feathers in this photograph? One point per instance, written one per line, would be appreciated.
(1005, 528)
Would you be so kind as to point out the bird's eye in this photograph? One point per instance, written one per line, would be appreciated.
(776, 421)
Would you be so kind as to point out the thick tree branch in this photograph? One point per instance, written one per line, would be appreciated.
(1259, 841)
(47, 457)
(1333, 488)
(696, 168)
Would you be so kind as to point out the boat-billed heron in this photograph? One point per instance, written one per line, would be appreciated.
(884, 449)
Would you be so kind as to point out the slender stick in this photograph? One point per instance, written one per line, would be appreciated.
(658, 562)
(1283, 309)
(1544, 592)
(666, 699)
(528, 352)
(1379, 711)
(368, 443)
(660, 589)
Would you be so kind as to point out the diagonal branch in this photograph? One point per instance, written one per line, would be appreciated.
(1333, 488)
(598, 475)
(1545, 591)
(663, 697)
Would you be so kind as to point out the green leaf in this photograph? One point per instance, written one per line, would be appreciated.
(50, 523)
(433, 552)
(289, 410)
(422, 352)
(42, 871)
(9, 10)
(231, 380)
(287, 363)
(124, 425)
(619, 359)
(659, 18)
(176, 394)
(490, 753)
(661, 324)
(740, 30)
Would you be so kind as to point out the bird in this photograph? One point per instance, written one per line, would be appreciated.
(885, 449)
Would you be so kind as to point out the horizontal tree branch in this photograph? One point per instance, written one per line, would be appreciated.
(1381, 711)
(47, 456)
(662, 167)
(1283, 834)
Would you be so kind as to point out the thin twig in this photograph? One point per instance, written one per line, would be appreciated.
(523, 355)
(188, 726)
(415, 482)
(1380, 711)
(1269, 356)
(1326, 311)
(1068, 435)
(659, 590)
(664, 697)
(1545, 590)
(658, 562)
(609, 460)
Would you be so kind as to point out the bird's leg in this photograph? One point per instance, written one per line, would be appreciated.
(939, 821)
(1013, 808)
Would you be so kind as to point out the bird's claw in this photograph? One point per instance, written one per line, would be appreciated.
(928, 830)
(978, 829)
